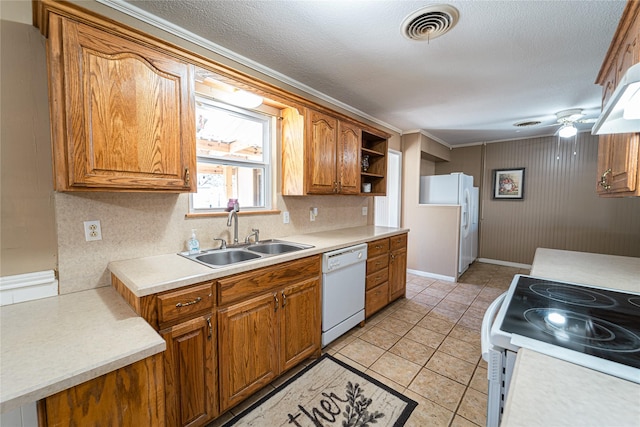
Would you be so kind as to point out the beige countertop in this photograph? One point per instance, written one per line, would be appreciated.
(51, 344)
(607, 271)
(149, 275)
(549, 392)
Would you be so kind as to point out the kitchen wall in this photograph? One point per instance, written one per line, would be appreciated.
(429, 249)
(140, 224)
(42, 229)
(27, 225)
(560, 209)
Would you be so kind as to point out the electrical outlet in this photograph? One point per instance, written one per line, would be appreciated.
(92, 231)
(364, 211)
(312, 217)
(285, 217)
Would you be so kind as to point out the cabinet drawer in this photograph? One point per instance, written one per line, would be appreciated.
(184, 302)
(377, 278)
(377, 263)
(377, 247)
(376, 298)
(245, 285)
(398, 242)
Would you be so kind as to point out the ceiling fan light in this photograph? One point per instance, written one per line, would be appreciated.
(567, 131)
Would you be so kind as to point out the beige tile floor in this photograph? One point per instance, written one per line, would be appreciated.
(427, 346)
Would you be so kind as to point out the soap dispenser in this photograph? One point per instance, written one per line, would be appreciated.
(193, 244)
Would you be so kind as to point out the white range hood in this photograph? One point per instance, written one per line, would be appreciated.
(622, 112)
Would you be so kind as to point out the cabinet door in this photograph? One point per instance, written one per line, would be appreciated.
(248, 347)
(127, 397)
(190, 372)
(349, 158)
(618, 158)
(321, 154)
(300, 318)
(127, 116)
(397, 274)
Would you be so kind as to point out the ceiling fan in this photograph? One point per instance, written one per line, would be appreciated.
(567, 120)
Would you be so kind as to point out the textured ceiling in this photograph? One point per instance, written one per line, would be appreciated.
(504, 62)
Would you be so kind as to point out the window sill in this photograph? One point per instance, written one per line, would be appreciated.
(225, 214)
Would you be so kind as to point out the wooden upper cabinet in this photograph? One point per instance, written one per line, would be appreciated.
(321, 142)
(321, 154)
(619, 154)
(348, 168)
(122, 113)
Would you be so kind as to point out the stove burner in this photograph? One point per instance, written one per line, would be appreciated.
(574, 295)
(635, 301)
(583, 330)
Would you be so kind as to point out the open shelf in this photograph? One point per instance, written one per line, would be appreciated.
(374, 149)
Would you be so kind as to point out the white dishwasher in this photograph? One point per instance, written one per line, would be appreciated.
(343, 286)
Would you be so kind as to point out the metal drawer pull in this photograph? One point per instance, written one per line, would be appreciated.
(275, 306)
(284, 299)
(184, 304)
(210, 327)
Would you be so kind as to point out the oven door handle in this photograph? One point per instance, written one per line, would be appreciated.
(487, 321)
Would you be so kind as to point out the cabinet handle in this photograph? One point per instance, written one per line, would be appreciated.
(187, 176)
(603, 180)
(184, 304)
(275, 297)
(210, 327)
(335, 186)
(284, 299)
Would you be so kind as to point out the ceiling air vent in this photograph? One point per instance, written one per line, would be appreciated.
(527, 123)
(430, 22)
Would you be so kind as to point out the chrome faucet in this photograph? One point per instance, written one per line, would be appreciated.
(223, 243)
(233, 214)
(256, 236)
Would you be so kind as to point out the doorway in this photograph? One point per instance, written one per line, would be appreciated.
(387, 209)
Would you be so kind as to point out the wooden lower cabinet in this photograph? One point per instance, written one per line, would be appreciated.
(376, 299)
(386, 272)
(190, 372)
(300, 329)
(265, 336)
(248, 348)
(131, 396)
(398, 267)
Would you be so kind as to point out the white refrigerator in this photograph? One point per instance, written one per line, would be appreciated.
(456, 189)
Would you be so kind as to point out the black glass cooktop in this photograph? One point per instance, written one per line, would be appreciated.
(595, 321)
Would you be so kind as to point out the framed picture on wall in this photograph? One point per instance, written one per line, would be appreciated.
(508, 184)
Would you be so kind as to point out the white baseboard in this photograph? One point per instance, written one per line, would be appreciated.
(504, 263)
(27, 287)
(432, 275)
(24, 416)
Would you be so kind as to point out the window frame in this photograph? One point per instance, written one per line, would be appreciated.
(268, 121)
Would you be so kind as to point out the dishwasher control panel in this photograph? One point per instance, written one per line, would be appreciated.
(344, 257)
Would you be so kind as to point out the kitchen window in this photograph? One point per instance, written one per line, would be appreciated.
(233, 154)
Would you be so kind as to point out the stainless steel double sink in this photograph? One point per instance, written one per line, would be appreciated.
(217, 258)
